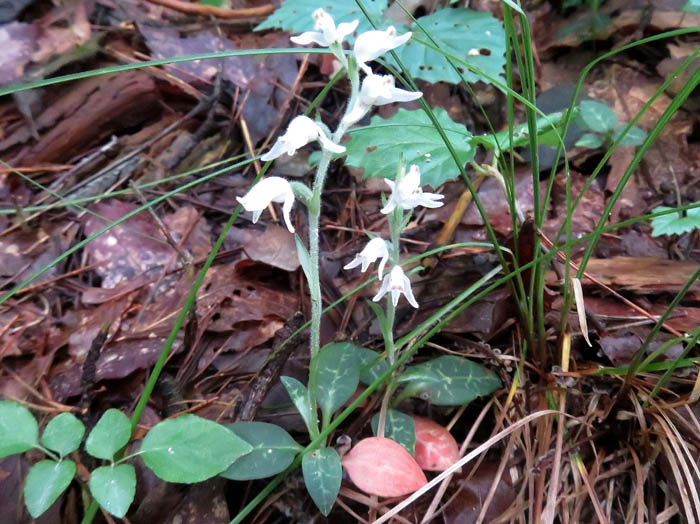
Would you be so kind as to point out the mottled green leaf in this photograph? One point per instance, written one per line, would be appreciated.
(322, 476)
(63, 434)
(46, 480)
(191, 449)
(300, 397)
(449, 381)
(337, 375)
(114, 487)
(372, 365)
(19, 431)
(273, 450)
(597, 116)
(634, 137)
(399, 427)
(110, 434)
(590, 141)
(378, 147)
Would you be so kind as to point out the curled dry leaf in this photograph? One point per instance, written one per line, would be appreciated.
(379, 466)
(436, 448)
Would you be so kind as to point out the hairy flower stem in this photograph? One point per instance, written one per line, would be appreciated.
(314, 209)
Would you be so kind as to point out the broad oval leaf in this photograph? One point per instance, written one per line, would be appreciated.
(273, 451)
(322, 476)
(590, 141)
(597, 116)
(110, 434)
(399, 427)
(378, 147)
(449, 381)
(436, 448)
(379, 466)
(295, 15)
(675, 223)
(338, 374)
(634, 137)
(46, 480)
(114, 487)
(19, 431)
(372, 365)
(63, 434)
(474, 37)
(191, 449)
(300, 397)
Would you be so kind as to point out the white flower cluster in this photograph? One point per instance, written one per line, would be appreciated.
(375, 90)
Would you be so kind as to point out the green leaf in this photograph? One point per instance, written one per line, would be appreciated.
(634, 137)
(191, 449)
(322, 476)
(114, 487)
(675, 223)
(475, 37)
(295, 15)
(110, 434)
(590, 141)
(273, 450)
(597, 116)
(514, 6)
(46, 480)
(19, 431)
(692, 6)
(449, 381)
(304, 258)
(372, 365)
(63, 434)
(378, 147)
(338, 374)
(521, 134)
(399, 427)
(300, 397)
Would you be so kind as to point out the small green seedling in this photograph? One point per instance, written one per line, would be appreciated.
(604, 127)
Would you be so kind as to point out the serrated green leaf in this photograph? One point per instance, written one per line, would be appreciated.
(63, 434)
(300, 397)
(675, 223)
(322, 475)
(273, 450)
(19, 431)
(634, 137)
(303, 255)
(399, 427)
(338, 374)
(191, 449)
(476, 37)
(597, 116)
(110, 434)
(295, 15)
(377, 148)
(449, 381)
(372, 366)
(590, 141)
(114, 487)
(46, 480)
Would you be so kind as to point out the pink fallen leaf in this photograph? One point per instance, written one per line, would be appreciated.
(379, 466)
(436, 448)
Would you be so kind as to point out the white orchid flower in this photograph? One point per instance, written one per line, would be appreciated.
(378, 90)
(329, 34)
(300, 132)
(375, 248)
(408, 194)
(398, 283)
(271, 189)
(370, 45)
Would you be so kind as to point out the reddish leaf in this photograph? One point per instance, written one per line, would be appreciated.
(436, 448)
(379, 466)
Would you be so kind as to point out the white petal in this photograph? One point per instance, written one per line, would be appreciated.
(382, 263)
(408, 292)
(389, 207)
(345, 29)
(372, 44)
(354, 262)
(390, 183)
(310, 37)
(286, 208)
(395, 294)
(398, 95)
(356, 113)
(256, 215)
(329, 145)
(279, 149)
(430, 200)
(383, 290)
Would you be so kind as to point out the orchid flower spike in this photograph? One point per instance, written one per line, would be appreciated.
(329, 34)
(271, 189)
(300, 132)
(408, 194)
(378, 90)
(398, 283)
(370, 45)
(375, 248)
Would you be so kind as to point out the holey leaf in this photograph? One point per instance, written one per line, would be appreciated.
(295, 15)
(474, 37)
(337, 375)
(378, 147)
(398, 427)
(449, 381)
(191, 449)
(322, 476)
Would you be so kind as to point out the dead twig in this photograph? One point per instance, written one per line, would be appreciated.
(211, 10)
